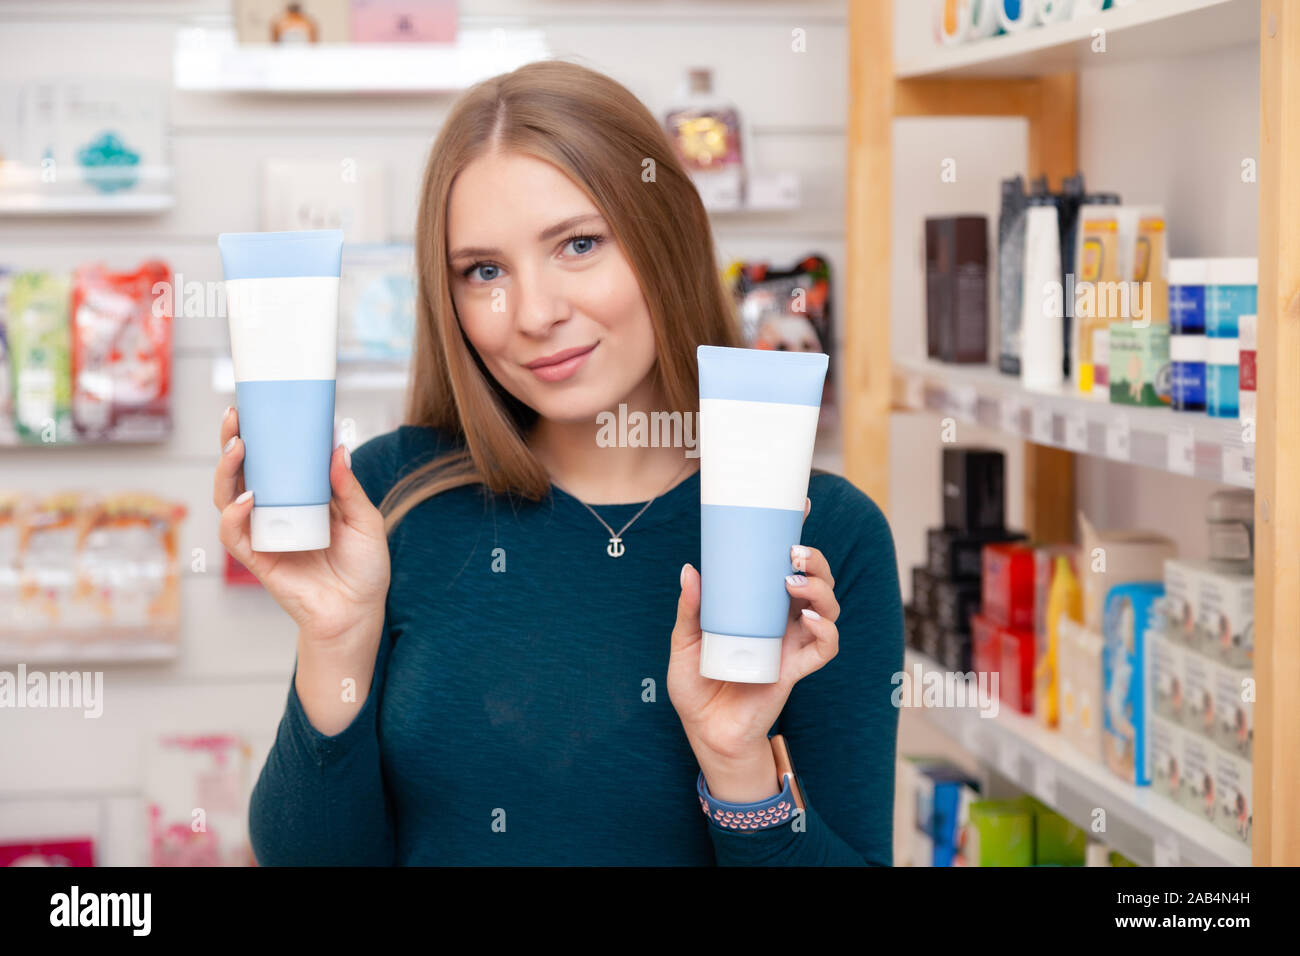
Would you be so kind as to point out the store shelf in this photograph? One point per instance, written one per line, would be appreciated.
(350, 377)
(1184, 443)
(1145, 826)
(211, 59)
(24, 191)
(1147, 30)
(108, 651)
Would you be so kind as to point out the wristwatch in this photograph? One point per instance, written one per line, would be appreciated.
(764, 814)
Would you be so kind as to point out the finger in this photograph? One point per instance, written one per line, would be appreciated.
(354, 505)
(234, 529)
(810, 561)
(230, 470)
(823, 647)
(816, 592)
(687, 629)
(229, 424)
(807, 507)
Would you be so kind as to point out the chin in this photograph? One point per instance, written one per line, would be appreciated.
(578, 407)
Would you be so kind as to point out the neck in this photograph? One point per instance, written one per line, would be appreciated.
(576, 460)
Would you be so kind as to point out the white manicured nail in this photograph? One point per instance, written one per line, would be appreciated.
(244, 497)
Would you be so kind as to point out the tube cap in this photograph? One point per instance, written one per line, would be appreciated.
(291, 528)
(743, 660)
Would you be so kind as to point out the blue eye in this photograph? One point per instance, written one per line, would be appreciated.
(582, 245)
(482, 265)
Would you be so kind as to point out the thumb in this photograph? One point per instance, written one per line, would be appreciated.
(687, 630)
(351, 498)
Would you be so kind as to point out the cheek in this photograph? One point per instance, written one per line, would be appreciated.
(486, 330)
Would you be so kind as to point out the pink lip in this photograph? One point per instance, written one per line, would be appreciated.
(561, 365)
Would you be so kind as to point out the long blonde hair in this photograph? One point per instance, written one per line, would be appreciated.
(610, 145)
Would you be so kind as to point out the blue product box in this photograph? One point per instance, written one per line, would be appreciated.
(1127, 679)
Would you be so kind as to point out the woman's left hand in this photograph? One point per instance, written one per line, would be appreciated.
(726, 722)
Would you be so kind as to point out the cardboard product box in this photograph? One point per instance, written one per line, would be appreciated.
(1008, 584)
(1126, 674)
(1108, 558)
(955, 650)
(973, 489)
(271, 21)
(954, 556)
(1140, 369)
(954, 602)
(1166, 758)
(1198, 776)
(956, 288)
(1198, 708)
(1061, 597)
(1017, 669)
(1180, 602)
(1081, 688)
(923, 591)
(944, 793)
(929, 635)
(1232, 786)
(911, 627)
(1002, 833)
(1234, 711)
(986, 647)
(1167, 665)
(1225, 607)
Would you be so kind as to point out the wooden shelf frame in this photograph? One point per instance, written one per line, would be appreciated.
(1050, 106)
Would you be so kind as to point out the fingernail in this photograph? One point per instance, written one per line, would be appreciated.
(244, 497)
(810, 613)
(796, 580)
(799, 557)
(347, 458)
(682, 576)
(229, 445)
(226, 413)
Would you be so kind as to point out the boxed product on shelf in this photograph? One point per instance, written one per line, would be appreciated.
(1139, 364)
(1016, 665)
(1011, 257)
(121, 353)
(1230, 294)
(943, 796)
(377, 296)
(1108, 558)
(956, 288)
(922, 591)
(953, 555)
(973, 489)
(1081, 688)
(307, 21)
(1053, 572)
(986, 647)
(953, 603)
(1232, 786)
(1007, 584)
(911, 626)
(1179, 608)
(1187, 280)
(40, 349)
(1234, 711)
(1166, 758)
(48, 853)
(1225, 612)
(1198, 789)
(1198, 710)
(1001, 833)
(1126, 676)
(1168, 680)
(403, 21)
(929, 633)
(196, 796)
(1230, 517)
(955, 650)
(1097, 265)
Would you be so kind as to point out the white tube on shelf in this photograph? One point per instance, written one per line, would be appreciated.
(1042, 301)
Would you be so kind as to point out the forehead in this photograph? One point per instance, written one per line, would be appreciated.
(510, 194)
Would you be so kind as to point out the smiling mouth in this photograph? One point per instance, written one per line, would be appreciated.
(559, 357)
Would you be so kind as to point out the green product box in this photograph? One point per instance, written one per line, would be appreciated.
(1140, 372)
(1057, 841)
(1003, 832)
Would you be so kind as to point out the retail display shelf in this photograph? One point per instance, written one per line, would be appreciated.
(27, 190)
(1145, 826)
(1147, 30)
(210, 59)
(1185, 443)
(351, 377)
(108, 651)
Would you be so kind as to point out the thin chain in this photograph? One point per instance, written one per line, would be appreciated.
(617, 536)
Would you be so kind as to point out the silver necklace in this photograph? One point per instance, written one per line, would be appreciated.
(615, 547)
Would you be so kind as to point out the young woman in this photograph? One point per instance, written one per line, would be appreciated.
(498, 655)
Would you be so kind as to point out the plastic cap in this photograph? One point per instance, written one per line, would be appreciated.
(291, 528)
(743, 660)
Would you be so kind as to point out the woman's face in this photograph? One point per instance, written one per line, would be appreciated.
(536, 273)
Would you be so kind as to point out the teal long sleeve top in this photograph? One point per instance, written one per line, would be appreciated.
(519, 713)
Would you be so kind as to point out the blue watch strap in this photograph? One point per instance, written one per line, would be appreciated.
(762, 815)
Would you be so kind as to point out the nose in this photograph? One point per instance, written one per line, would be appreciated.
(539, 302)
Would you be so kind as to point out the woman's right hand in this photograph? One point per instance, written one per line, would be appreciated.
(332, 593)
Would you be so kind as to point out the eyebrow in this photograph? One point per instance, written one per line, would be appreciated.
(548, 233)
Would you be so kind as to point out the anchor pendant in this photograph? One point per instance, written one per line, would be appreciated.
(615, 547)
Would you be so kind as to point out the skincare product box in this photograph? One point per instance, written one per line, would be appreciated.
(973, 489)
(1166, 758)
(1180, 602)
(954, 602)
(1064, 599)
(1198, 776)
(1199, 674)
(273, 21)
(1097, 269)
(1231, 294)
(986, 647)
(955, 650)
(1081, 688)
(1225, 607)
(923, 591)
(1002, 833)
(1187, 281)
(1139, 364)
(1247, 385)
(1011, 258)
(404, 21)
(1232, 787)
(1108, 558)
(944, 795)
(1234, 710)
(1008, 585)
(954, 555)
(929, 637)
(1230, 515)
(1167, 663)
(956, 283)
(911, 627)
(1016, 664)
(1041, 345)
(1126, 675)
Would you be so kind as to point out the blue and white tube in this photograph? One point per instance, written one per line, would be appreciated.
(282, 299)
(758, 424)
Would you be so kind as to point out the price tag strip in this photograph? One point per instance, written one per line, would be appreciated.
(1076, 431)
(1042, 425)
(1118, 444)
(1182, 451)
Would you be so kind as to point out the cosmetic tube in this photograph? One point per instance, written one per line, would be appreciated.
(282, 293)
(758, 424)
(1041, 345)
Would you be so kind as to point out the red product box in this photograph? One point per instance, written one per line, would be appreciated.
(1007, 592)
(1017, 659)
(986, 649)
